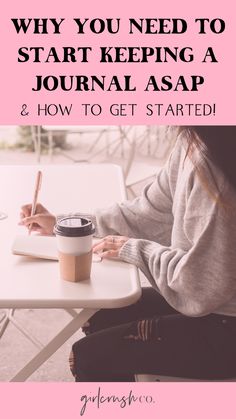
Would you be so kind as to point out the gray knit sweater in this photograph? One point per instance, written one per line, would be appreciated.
(180, 237)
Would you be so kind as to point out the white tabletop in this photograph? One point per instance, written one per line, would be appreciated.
(27, 282)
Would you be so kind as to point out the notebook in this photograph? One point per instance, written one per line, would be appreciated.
(43, 247)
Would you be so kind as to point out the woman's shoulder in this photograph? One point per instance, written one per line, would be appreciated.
(208, 191)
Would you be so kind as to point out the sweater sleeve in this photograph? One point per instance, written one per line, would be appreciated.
(197, 281)
(136, 218)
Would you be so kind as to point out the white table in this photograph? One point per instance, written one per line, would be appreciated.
(33, 283)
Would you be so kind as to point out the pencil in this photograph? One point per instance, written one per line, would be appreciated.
(36, 192)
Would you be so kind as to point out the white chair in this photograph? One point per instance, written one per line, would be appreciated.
(151, 378)
(37, 135)
(161, 378)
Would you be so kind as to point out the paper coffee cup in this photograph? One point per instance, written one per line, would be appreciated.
(74, 243)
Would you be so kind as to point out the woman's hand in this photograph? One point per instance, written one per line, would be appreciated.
(43, 221)
(110, 246)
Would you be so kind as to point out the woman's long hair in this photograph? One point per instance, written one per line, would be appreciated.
(217, 144)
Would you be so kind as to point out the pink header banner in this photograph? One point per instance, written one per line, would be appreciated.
(117, 63)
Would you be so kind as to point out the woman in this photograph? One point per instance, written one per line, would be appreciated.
(182, 234)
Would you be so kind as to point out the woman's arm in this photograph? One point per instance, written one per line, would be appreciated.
(196, 273)
(148, 216)
(195, 282)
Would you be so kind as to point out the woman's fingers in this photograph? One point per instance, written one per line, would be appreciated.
(26, 209)
(40, 222)
(26, 221)
(104, 244)
(41, 209)
(110, 246)
(110, 254)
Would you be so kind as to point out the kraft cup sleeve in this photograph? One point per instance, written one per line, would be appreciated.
(75, 268)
